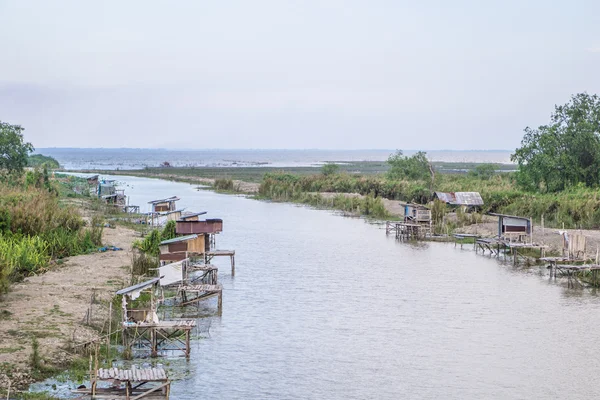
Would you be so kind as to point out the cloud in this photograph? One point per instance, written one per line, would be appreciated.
(593, 49)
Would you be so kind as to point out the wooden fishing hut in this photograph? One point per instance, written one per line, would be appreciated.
(416, 224)
(163, 205)
(106, 187)
(190, 224)
(177, 249)
(128, 384)
(208, 228)
(514, 234)
(417, 213)
(92, 182)
(513, 228)
(142, 328)
(192, 281)
(162, 211)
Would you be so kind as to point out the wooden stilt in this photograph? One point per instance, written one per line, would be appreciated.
(187, 344)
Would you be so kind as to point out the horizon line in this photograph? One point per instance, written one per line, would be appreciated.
(258, 149)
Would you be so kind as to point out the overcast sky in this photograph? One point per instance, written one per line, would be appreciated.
(292, 74)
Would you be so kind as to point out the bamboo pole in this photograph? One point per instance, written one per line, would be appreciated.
(109, 331)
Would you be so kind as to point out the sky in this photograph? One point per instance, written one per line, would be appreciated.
(330, 74)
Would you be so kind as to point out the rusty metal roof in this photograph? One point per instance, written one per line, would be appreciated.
(460, 198)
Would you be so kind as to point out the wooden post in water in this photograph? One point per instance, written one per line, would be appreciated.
(154, 343)
(220, 302)
(187, 344)
(232, 264)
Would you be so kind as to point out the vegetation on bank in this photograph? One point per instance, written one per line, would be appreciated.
(41, 161)
(35, 226)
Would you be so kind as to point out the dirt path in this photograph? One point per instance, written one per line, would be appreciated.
(52, 307)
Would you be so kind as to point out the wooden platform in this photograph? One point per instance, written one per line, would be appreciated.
(179, 324)
(128, 384)
(459, 237)
(200, 292)
(133, 374)
(500, 247)
(407, 230)
(164, 336)
(209, 255)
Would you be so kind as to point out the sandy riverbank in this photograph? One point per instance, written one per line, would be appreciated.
(52, 307)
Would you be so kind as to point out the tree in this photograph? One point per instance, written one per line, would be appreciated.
(483, 171)
(13, 150)
(565, 152)
(415, 167)
(39, 160)
(330, 169)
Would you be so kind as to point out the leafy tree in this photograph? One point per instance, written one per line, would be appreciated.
(330, 169)
(415, 167)
(565, 152)
(13, 151)
(483, 171)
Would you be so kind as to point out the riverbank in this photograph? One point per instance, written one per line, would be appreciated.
(52, 308)
(502, 199)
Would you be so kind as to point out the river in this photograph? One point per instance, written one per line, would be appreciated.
(327, 307)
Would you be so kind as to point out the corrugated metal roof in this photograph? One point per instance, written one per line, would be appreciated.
(508, 216)
(139, 286)
(468, 199)
(173, 198)
(193, 214)
(445, 197)
(460, 198)
(179, 239)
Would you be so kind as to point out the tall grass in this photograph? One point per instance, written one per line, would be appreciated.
(35, 228)
(224, 184)
(577, 207)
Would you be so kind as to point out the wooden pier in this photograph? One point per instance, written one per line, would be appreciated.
(158, 337)
(209, 255)
(459, 238)
(572, 272)
(128, 384)
(191, 294)
(502, 248)
(406, 230)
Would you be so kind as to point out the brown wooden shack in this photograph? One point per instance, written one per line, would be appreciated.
(176, 249)
(209, 226)
(163, 205)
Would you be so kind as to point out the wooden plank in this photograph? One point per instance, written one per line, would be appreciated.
(151, 391)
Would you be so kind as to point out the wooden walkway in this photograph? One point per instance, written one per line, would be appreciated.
(128, 384)
(209, 255)
(500, 247)
(201, 292)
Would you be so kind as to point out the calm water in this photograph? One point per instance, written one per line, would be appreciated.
(327, 307)
(77, 159)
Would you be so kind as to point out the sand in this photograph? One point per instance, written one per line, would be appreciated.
(53, 306)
